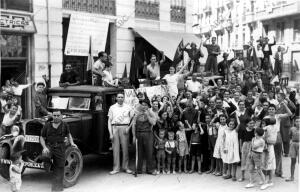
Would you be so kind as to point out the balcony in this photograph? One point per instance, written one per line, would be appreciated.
(177, 14)
(147, 10)
(279, 10)
(106, 7)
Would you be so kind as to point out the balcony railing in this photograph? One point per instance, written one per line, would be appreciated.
(177, 14)
(106, 7)
(147, 10)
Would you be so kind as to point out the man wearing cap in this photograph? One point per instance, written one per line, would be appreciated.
(119, 116)
(40, 100)
(142, 131)
(194, 54)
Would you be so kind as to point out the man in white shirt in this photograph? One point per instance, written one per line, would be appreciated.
(238, 65)
(193, 85)
(153, 69)
(98, 68)
(119, 116)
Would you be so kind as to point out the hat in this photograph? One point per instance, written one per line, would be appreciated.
(225, 54)
(223, 87)
(146, 101)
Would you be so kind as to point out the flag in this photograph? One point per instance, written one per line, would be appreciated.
(295, 66)
(133, 75)
(178, 54)
(125, 72)
(145, 65)
(90, 60)
(275, 80)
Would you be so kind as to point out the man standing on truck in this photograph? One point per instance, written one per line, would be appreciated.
(119, 116)
(53, 140)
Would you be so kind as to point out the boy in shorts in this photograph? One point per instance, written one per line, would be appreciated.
(171, 147)
(294, 147)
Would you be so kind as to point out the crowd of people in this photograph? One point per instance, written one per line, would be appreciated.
(239, 120)
(228, 125)
(201, 125)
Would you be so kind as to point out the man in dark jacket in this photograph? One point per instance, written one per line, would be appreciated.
(69, 77)
(267, 50)
(40, 100)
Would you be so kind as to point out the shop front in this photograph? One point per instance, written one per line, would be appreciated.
(16, 35)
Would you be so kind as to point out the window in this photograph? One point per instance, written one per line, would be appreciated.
(22, 5)
(236, 40)
(297, 30)
(280, 32)
(15, 46)
(71, 103)
(147, 9)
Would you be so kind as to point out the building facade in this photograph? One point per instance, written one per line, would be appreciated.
(235, 22)
(41, 46)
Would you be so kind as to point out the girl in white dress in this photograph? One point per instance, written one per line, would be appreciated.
(218, 150)
(231, 154)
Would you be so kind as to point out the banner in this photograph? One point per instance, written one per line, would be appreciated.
(81, 27)
(132, 100)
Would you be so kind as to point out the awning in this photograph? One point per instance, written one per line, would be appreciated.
(167, 41)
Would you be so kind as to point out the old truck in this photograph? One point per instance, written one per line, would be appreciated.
(85, 110)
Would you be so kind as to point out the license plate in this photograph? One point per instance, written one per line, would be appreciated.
(32, 138)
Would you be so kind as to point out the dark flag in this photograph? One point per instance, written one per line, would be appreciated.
(133, 75)
(145, 65)
(295, 67)
(178, 54)
(125, 72)
(90, 62)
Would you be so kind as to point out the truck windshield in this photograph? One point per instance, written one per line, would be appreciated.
(71, 103)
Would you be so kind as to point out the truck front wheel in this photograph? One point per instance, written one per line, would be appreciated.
(4, 168)
(73, 166)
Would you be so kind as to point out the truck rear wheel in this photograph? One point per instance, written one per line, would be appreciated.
(73, 166)
(4, 168)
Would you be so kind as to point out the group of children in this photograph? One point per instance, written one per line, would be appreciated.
(229, 144)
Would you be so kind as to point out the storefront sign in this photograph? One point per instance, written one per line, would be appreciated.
(131, 98)
(81, 27)
(17, 23)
